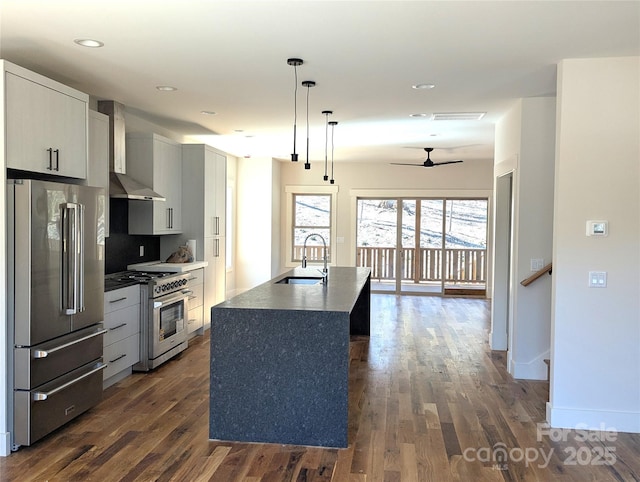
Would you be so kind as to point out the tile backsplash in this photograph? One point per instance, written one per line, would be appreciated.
(121, 248)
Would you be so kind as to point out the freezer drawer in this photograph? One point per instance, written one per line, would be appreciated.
(44, 409)
(39, 364)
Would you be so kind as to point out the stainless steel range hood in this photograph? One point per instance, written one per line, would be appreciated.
(120, 185)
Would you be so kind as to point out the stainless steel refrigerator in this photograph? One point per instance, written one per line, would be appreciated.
(56, 303)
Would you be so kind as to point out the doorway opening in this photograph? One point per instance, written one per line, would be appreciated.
(428, 246)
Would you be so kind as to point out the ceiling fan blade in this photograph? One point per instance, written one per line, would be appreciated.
(406, 164)
(446, 162)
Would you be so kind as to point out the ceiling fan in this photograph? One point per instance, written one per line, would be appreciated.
(428, 162)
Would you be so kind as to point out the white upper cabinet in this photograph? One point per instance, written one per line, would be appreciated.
(220, 209)
(46, 125)
(156, 162)
(98, 172)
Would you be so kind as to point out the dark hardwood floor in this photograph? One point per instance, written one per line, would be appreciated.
(428, 402)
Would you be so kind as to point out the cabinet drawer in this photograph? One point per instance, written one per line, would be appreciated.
(194, 321)
(121, 355)
(121, 298)
(121, 324)
(196, 277)
(196, 298)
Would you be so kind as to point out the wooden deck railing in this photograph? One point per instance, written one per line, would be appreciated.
(425, 264)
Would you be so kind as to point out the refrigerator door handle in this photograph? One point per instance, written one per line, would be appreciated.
(80, 257)
(40, 396)
(46, 353)
(70, 215)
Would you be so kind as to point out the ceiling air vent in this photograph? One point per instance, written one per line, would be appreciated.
(459, 116)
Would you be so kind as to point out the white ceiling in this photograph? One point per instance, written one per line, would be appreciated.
(230, 57)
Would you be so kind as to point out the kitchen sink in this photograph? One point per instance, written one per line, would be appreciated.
(300, 280)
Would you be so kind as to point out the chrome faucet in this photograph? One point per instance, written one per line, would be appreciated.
(324, 272)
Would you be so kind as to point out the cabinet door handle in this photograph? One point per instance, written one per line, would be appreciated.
(168, 218)
(50, 151)
(217, 253)
(118, 358)
(117, 300)
(119, 326)
(57, 151)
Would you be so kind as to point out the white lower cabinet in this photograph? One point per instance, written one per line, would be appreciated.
(196, 301)
(122, 340)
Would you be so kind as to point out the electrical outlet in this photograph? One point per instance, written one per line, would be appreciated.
(141, 251)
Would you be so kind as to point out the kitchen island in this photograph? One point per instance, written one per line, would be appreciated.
(280, 359)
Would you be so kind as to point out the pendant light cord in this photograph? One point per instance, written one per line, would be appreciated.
(295, 107)
(326, 141)
(333, 125)
(307, 164)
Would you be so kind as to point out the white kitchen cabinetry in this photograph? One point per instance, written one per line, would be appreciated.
(46, 124)
(196, 301)
(157, 162)
(98, 173)
(122, 340)
(204, 173)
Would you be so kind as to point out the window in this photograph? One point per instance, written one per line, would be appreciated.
(311, 215)
(306, 210)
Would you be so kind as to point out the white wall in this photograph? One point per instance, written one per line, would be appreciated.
(595, 374)
(472, 178)
(276, 233)
(525, 140)
(255, 221)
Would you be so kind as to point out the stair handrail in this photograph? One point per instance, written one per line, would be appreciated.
(536, 275)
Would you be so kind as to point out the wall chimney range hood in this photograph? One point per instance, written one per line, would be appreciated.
(120, 185)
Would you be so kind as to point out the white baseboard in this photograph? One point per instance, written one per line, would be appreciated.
(535, 369)
(562, 417)
(5, 444)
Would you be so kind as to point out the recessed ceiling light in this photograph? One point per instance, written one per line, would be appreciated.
(88, 42)
(208, 112)
(423, 86)
(418, 115)
(166, 88)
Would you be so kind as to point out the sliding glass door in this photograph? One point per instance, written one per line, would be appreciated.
(377, 221)
(423, 246)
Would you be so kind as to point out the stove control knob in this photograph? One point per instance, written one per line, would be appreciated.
(157, 289)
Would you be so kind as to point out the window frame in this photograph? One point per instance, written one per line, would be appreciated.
(291, 192)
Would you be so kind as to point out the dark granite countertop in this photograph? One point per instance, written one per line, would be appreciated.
(339, 294)
(113, 282)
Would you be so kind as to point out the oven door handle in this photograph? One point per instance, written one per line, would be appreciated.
(159, 303)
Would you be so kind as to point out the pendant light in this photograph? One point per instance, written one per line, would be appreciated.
(326, 113)
(295, 62)
(333, 124)
(308, 84)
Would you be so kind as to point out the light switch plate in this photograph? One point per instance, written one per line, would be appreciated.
(597, 228)
(537, 264)
(597, 279)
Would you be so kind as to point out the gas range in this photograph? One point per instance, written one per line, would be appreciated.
(154, 283)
